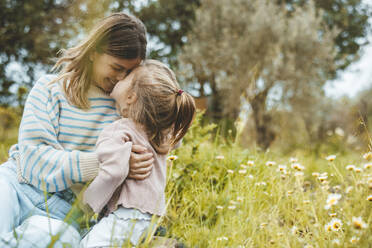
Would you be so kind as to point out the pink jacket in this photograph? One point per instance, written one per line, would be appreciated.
(111, 186)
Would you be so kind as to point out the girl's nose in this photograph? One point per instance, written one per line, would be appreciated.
(121, 75)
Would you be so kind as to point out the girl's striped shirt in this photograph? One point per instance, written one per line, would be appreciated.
(57, 140)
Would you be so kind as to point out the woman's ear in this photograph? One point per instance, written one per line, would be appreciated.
(92, 56)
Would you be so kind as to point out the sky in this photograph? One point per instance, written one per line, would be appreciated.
(357, 76)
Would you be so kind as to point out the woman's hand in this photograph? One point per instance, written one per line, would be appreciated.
(140, 163)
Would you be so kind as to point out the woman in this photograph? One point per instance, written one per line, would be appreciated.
(62, 119)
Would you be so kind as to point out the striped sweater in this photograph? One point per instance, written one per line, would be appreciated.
(56, 140)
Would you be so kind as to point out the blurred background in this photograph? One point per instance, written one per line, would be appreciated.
(279, 74)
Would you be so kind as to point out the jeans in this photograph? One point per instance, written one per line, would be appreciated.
(121, 228)
(24, 219)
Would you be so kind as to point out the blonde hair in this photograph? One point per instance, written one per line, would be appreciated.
(165, 111)
(119, 35)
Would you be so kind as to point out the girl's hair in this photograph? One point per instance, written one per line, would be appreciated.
(165, 111)
(119, 35)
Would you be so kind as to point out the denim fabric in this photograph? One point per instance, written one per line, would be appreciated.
(120, 228)
(21, 201)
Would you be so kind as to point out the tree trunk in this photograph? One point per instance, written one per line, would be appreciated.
(265, 134)
(216, 102)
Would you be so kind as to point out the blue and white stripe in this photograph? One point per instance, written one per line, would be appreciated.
(56, 139)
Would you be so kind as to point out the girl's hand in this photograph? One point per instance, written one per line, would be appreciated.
(140, 163)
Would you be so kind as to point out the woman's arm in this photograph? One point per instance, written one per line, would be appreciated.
(42, 160)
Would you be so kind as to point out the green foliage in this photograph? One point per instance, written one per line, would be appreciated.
(31, 34)
(9, 122)
(168, 21)
(350, 17)
(224, 196)
(221, 195)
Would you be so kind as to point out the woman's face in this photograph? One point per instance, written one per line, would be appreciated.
(108, 70)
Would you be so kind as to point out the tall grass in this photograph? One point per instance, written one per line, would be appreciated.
(221, 195)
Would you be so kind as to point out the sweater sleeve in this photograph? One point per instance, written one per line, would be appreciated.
(113, 151)
(42, 161)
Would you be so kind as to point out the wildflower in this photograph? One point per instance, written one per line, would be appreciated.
(240, 198)
(358, 223)
(315, 174)
(220, 157)
(306, 202)
(327, 227)
(367, 166)
(334, 225)
(293, 160)
(222, 238)
(348, 189)
(332, 200)
(294, 230)
(230, 171)
(282, 167)
(298, 174)
(219, 207)
(263, 224)
(331, 158)
(231, 207)
(308, 246)
(368, 156)
(280, 234)
(325, 174)
(354, 240)
(333, 214)
(250, 163)
(242, 171)
(243, 166)
(289, 192)
(350, 167)
(272, 242)
(297, 166)
(337, 187)
(369, 198)
(270, 163)
(358, 170)
(172, 157)
(336, 242)
(322, 178)
(233, 202)
(263, 183)
(339, 132)
(250, 176)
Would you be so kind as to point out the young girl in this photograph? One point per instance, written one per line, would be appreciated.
(62, 119)
(156, 113)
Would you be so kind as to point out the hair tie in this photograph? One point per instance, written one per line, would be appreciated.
(179, 92)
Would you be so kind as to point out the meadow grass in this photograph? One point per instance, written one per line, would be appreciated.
(221, 195)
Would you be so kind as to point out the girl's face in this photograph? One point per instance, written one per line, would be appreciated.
(124, 95)
(108, 70)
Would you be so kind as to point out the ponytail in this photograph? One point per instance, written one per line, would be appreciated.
(185, 107)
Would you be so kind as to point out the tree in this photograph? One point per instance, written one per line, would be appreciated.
(31, 33)
(250, 49)
(168, 22)
(350, 17)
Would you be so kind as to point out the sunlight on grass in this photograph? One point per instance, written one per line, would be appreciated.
(221, 195)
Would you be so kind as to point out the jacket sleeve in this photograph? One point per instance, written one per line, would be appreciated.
(41, 159)
(113, 151)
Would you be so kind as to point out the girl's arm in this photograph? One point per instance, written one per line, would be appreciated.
(113, 151)
(41, 159)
